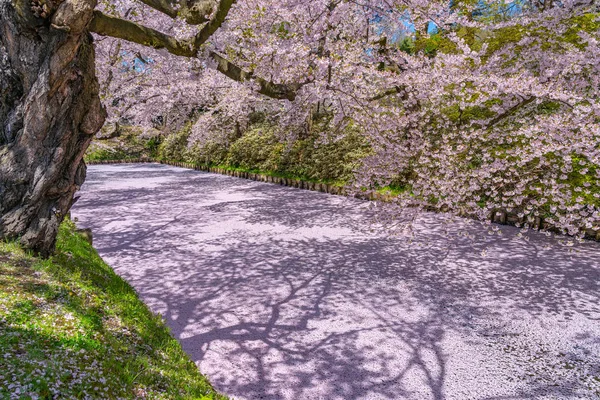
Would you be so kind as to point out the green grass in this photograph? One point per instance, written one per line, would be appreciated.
(71, 328)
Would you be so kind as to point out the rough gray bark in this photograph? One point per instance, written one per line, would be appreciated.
(49, 111)
(50, 106)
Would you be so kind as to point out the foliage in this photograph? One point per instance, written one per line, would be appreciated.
(256, 149)
(174, 147)
(261, 148)
(71, 328)
(211, 152)
(130, 144)
(477, 105)
(98, 153)
(152, 145)
(331, 159)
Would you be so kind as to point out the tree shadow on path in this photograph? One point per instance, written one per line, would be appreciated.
(279, 293)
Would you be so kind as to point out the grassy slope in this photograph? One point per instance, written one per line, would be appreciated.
(69, 326)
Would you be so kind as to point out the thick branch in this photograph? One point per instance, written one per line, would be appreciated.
(510, 111)
(215, 23)
(194, 12)
(389, 92)
(269, 89)
(164, 6)
(105, 25)
(110, 26)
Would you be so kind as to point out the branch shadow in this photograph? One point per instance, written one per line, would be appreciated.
(279, 293)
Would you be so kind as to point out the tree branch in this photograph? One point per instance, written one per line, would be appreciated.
(123, 29)
(105, 25)
(164, 6)
(510, 111)
(194, 13)
(389, 92)
(269, 89)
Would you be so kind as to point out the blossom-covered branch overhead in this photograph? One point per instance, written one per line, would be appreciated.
(470, 105)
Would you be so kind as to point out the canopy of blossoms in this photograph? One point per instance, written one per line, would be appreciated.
(470, 106)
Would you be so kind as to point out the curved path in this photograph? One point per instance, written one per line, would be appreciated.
(281, 293)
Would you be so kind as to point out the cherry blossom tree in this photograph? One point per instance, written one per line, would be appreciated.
(469, 106)
(50, 100)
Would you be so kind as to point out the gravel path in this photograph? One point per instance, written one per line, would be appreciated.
(281, 293)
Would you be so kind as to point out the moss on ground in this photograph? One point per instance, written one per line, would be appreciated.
(71, 328)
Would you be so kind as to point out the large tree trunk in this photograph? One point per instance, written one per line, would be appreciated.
(49, 111)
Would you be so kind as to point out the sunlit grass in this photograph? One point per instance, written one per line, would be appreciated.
(71, 328)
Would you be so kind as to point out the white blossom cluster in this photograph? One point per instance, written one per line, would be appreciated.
(495, 105)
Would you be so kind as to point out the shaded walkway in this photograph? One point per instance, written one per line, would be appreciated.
(280, 293)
